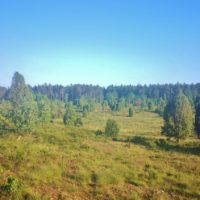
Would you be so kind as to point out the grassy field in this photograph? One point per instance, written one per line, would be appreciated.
(58, 162)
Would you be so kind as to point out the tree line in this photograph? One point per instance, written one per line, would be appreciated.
(152, 97)
(130, 93)
(21, 106)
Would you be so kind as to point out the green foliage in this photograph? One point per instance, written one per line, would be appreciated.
(5, 108)
(178, 118)
(121, 104)
(69, 115)
(99, 132)
(144, 104)
(111, 98)
(44, 110)
(160, 107)
(130, 112)
(83, 102)
(112, 128)
(5, 123)
(104, 105)
(150, 106)
(24, 112)
(197, 116)
(12, 188)
(86, 110)
(57, 109)
(78, 122)
(131, 98)
(86, 105)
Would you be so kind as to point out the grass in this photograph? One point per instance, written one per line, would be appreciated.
(58, 162)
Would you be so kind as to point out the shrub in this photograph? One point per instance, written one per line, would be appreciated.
(12, 187)
(130, 112)
(78, 122)
(99, 133)
(112, 128)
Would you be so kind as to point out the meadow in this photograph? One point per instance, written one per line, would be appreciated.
(68, 162)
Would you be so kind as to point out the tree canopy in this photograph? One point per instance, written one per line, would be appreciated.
(178, 117)
(197, 116)
(112, 128)
(23, 113)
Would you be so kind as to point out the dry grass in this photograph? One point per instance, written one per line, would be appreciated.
(56, 162)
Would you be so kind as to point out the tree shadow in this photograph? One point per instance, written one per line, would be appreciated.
(162, 144)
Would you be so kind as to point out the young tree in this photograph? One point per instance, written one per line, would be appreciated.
(70, 115)
(112, 128)
(24, 112)
(121, 104)
(197, 116)
(44, 110)
(130, 98)
(178, 117)
(78, 122)
(86, 110)
(104, 105)
(160, 107)
(130, 112)
(150, 106)
(83, 101)
(111, 98)
(57, 109)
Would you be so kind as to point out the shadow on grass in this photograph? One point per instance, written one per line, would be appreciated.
(162, 144)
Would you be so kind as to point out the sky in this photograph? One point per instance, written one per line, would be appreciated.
(100, 42)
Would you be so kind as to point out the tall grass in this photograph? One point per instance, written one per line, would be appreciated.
(58, 162)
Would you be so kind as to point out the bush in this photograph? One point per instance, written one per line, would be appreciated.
(12, 188)
(112, 128)
(130, 112)
(78, 122)
(99, 133)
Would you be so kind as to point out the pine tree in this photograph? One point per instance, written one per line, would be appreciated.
(197, 116)
(23, 113)
(178, 118)
(130, 112)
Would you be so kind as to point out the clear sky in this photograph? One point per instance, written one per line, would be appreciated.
(100, 41)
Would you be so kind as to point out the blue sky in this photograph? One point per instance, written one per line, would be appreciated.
(100, 41)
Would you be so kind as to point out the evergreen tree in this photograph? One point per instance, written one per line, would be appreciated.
(85, 110)
(197, 116)
(150, 106)
(44, 109)
(112, 128)
(160, 107)
(130, 112)
(178, 117)
(69, 115)
(111, 98)
(23, 113)
(121, 104)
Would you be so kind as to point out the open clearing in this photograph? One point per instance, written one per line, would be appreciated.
(58, 162)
